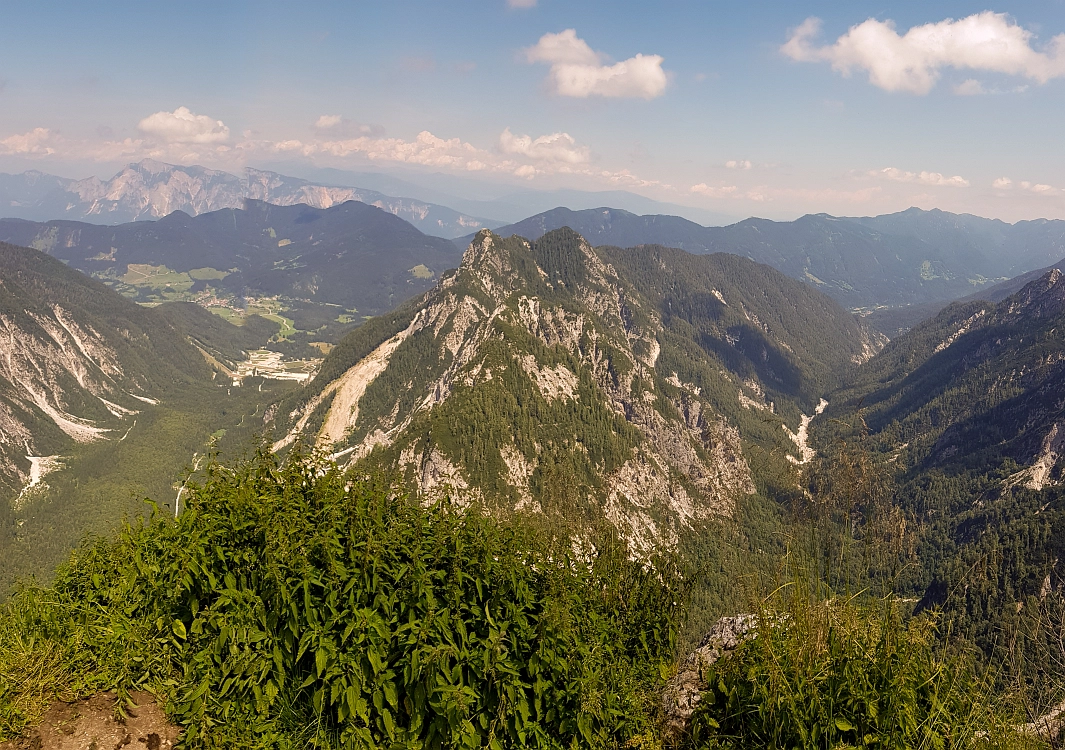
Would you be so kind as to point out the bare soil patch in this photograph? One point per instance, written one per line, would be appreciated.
(94, 724)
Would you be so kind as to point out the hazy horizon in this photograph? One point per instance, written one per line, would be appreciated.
(777, 110)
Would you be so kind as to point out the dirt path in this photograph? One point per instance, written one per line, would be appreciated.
(91, 725)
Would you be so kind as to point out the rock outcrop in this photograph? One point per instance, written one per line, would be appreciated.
(684, 692)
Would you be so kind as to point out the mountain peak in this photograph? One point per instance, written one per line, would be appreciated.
(1041, 298)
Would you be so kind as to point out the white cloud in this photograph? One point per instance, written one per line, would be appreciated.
(1038, 188)
(1002, 183)
(341, 127)
(922, 178)
(714, 192)
(971, 87)
(738, 164)
(518, 155)
(912, 62)
(36, 142)
(579, 71)
(183, 126)
(521, 3)
(556, 147)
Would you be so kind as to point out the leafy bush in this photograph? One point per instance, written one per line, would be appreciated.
(837, 673)
(294, 605)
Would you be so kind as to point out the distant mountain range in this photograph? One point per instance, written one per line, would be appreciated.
(631, 385)
(907, 258)
(318, 267)
(479, 197)
(152, 190)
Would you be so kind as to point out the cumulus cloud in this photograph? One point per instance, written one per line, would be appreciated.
(738, 164)
(1038, 188)
(556, 147)
(922, 178)
(579, 71)
(518, 155)
(183, 126)
(36, 142)
(912, 61)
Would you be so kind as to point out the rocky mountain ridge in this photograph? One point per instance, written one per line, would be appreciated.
(151, 190)
(551, 377)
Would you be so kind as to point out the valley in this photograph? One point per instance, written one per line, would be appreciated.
(649, 402)
(532, 375)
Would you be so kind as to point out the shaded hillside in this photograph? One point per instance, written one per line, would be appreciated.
(967, 408)
(906, 258)
(557, 378)
(101, 401)
(79, 359)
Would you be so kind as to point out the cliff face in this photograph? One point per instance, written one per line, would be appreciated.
(539, 377)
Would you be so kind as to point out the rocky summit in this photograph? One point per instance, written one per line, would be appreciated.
(553, 377)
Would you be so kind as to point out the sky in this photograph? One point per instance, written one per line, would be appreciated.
(772, 109)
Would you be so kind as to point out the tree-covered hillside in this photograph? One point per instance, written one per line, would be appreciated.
(966, 409)
(322, 269)
(102, 402)
(637, 385)
(907, 258)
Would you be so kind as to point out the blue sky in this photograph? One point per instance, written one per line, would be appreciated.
(738, 115)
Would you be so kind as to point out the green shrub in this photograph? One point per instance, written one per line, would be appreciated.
(294, 605)
(838, 673)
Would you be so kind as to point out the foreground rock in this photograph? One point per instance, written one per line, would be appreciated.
(685, 690)
(91, 724)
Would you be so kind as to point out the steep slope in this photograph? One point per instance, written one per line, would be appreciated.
(356, 258)
(906, 258)
(552, 377)
(104, 402)
(151, 190)
(967, 411)
(973, 386)
(79, 362)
